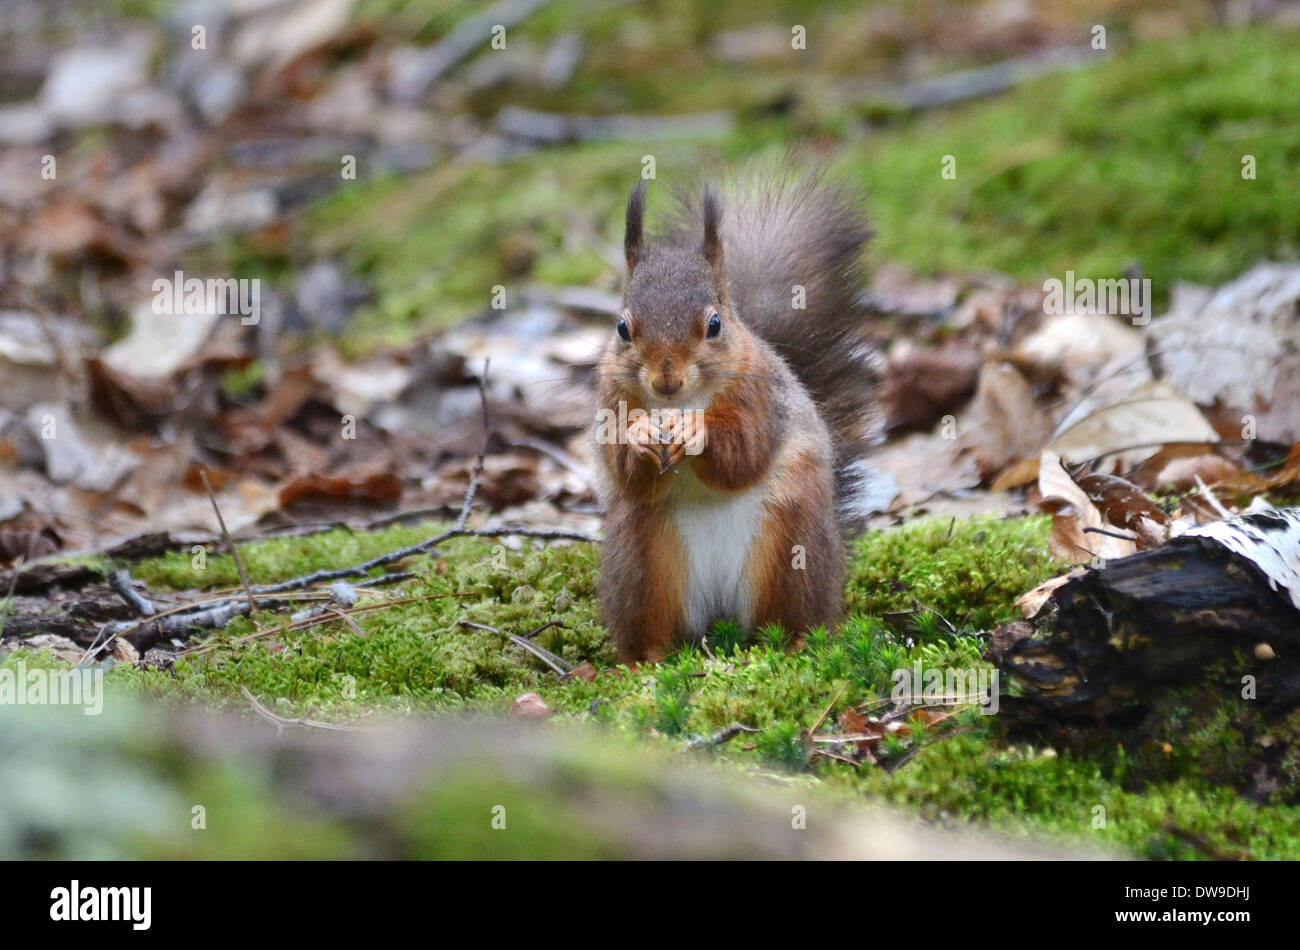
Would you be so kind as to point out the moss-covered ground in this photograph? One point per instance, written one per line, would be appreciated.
(414, 659)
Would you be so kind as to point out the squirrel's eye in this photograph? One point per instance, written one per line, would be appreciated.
(715, 325)
(623, 331)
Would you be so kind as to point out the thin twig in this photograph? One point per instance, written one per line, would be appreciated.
(357, 570)
(827, 754)
(829, 706)
(230, 543)
(465, 38)
(160, 626)
(543, 654)
(401, 517)
(122, 584)
(867, 707)
(1209, 496)
(1110, 534)
(476, 472)
(346, 618)
(559, 457)
(974, 83)
(192, 613)
(535, 127)
(721, 736)
(281, 723)
(213, 611)
(910, 753)
(546, 626)
(202, 619)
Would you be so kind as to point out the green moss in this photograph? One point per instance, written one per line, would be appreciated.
(141, 9)
(1022, 791)
(275, 559)
(970, 571)
(454, 822)
(146, 795)
(656, 56)
(414, 659)
(414, 655)
(1138, 161)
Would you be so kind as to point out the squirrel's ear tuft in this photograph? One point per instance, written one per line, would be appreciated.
(632, 241)
(711, 248)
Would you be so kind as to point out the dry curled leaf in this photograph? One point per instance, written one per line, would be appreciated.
(1128, 431)
(1024, 472)
(1072, 514)
(1031, 602)
(1122, 503)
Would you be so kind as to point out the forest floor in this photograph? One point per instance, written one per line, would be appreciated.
(1123, 161)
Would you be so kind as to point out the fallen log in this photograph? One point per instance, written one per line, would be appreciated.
(1206, 625)
(1159, 616)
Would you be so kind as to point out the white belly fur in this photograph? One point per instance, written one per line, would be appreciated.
(716, 529)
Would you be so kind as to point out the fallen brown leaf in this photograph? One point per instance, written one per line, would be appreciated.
(530, 706)
(1024, 472)
(1073, 511)
(1123, 503)
(382, 488)
(586, 672)
(1004, 423)
(852, 721)
(921, 385)
(1031, 602)
(1181, 473)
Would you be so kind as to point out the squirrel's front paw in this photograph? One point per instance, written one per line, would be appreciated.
(683, 435)
(643, 437)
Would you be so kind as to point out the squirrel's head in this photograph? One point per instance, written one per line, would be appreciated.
(676, 335)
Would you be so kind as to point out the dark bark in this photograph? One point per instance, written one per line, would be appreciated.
(1122, 633)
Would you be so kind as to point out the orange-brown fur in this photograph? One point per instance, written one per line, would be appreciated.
(803, 494)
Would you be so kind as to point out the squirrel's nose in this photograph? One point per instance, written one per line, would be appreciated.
(666, 385)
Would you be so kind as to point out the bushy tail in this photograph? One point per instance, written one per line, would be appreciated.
(793, 243)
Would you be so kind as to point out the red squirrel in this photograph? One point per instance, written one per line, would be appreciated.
(737, 400)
